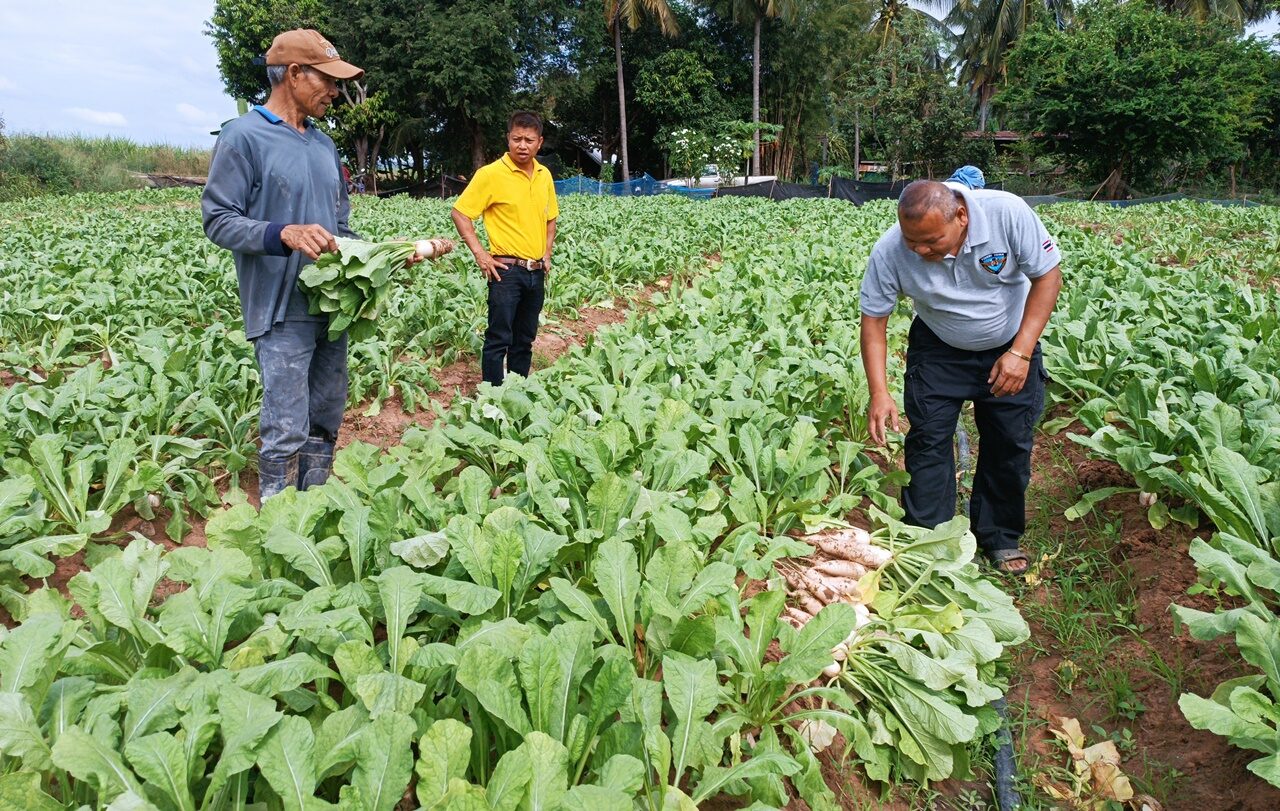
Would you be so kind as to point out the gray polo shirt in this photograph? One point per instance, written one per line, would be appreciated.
(974, 300)
(265, 175)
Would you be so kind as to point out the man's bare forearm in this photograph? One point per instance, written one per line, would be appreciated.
(1041, 300)
(874, 343)
(466, 230)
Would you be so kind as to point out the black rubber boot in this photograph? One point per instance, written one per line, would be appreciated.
(275, 475)
(315, 462)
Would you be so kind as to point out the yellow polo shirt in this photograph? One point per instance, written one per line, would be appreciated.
(516, 208)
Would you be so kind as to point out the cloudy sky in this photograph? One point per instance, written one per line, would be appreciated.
(142, 69)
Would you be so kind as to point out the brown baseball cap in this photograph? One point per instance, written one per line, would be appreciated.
(305, 46)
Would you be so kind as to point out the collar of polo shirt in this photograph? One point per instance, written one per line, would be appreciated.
(979, 230)
(510, 164)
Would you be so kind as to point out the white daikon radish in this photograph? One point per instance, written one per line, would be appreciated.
(851, 544)
(795, 617)
(841, 568)
(845, 586)
(811, 604)
(863, 615)
(432, 248)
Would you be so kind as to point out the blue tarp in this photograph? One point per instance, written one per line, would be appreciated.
(638, 187)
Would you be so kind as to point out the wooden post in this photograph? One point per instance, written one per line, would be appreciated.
(857, 144)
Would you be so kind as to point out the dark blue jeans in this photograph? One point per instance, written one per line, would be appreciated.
(514, 305)
(939, 379)
(304, 386)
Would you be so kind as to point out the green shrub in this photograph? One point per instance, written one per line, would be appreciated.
(43, 164)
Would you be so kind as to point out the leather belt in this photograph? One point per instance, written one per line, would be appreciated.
(527, 264)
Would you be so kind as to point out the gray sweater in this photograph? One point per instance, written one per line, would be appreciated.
(266, 175)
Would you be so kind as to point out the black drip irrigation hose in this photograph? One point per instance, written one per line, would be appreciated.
(1007, 797)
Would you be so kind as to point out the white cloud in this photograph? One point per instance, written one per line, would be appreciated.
(192, 113)
(99, 117)
(7, 84)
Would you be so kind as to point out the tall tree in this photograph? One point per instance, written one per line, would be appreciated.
(911, 112)
(242, 30)
(450, 62)
(989, 28)
(1133, 91)
(632, 12)
(678, 89)
(810, 60)
(1234, 13)
(896, 20)
(757, 11)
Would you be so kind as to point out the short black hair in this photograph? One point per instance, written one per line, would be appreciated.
(525, 120)
(922, 196)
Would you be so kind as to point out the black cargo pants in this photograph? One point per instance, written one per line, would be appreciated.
(939, 379)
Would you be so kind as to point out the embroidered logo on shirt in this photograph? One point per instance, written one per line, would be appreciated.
(993, 263)
(1048, 245)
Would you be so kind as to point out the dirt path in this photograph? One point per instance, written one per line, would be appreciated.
(1105, 648)
(461, 379)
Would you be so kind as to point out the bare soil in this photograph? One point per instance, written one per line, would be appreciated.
(1157, 564)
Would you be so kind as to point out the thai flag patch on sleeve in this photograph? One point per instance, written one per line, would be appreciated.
(1048, 245)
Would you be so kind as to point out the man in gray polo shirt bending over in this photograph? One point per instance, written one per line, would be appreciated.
(275, 198)
(984, 275)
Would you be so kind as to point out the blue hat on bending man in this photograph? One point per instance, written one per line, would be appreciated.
(969, 177)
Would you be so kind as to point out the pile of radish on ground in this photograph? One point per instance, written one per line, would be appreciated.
(830, 576)
(910, 685)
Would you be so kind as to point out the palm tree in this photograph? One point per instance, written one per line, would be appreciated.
(897, 18)
(757, 11)
(632, 12)
(1236, 13)
(989, 30)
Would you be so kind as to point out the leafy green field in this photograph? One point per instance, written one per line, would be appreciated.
(127, 376)
(552, 597)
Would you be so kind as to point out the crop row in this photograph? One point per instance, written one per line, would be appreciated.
(564, 594)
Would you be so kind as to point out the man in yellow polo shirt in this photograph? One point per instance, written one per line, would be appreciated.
(517, 199)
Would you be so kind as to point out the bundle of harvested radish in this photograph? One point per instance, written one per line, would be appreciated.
(832, 575)
(352, 285)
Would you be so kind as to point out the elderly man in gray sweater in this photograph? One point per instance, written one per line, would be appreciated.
(275, 198)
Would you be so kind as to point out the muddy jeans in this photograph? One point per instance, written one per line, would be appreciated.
(304, 386)
(939, 379)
